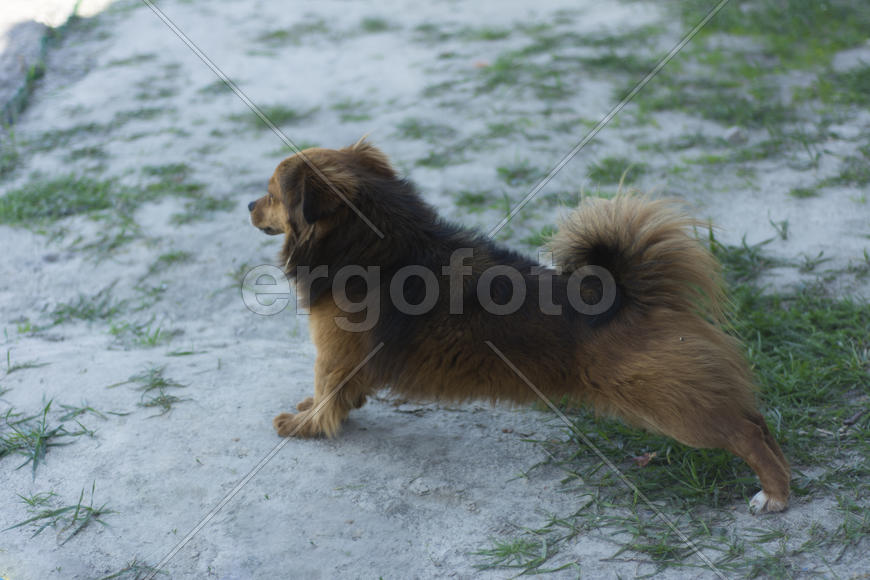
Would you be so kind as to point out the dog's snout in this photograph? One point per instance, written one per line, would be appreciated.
(251, 205)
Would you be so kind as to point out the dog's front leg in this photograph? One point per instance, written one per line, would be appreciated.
(336, 391)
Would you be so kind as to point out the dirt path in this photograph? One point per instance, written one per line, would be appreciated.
(472, 103)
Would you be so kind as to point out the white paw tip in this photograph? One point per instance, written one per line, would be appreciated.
(762, 503)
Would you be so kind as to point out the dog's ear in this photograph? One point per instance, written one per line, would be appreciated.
(371, 158)
(323, 184)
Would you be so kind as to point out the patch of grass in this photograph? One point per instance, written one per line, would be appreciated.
(574, 125)
(238, 276)
(721, 99)
(110, 239)
(431, 33)
(525, 553)
(485, 34)
(162, 400)
(811, 356)
(709, 159)
(153, 385)
(438, 159)
(73, 412)
(541, 237)
(44, 200)
(9, 155)
(615, 170)
(171, 179)
(26, 327)
(546, 40)
(686, 141)
(862, 268)
(132, 60)
(506, 70)
(412, 128)
(49, 199)
(32, 437)
(141, 334)
(855, 527)
(148, 91)
(91, 152)
(781, 228)
(551, 86)
(185, 352)
(200, 208)
(217, 87)
(20, 366)
(279, 115)
(846, 88)
(374, 24)
(514, 69)
(99, 306)
(790, 33)
(149, 295)
(473, 200)
(295, 34)
(134, 570)
(628, 63)
(743, 263)
(855, 170)
(505, 129)
(803, 192)
(167, 260)
(143, 114)
(19, 100)
(804, 145)
(69, 520)
(520, 173)
(809, 263)
(171, 171)
(351, 110)
(57, 138)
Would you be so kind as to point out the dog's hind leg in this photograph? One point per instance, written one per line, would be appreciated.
(738, 429)
(337, 390)
(753, 442)
(745, 434)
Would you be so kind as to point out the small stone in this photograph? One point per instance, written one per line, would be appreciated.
(419, 487)
(736, 136)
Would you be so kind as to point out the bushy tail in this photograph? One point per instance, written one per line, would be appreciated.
(648, 247)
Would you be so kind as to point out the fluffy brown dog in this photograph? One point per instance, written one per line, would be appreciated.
(358, 241)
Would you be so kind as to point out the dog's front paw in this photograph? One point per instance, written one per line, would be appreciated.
(762, 503)
(293, 425)
(305, 404)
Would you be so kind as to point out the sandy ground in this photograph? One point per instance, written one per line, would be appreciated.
(406, 491)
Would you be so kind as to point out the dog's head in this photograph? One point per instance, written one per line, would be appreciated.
(316, 188)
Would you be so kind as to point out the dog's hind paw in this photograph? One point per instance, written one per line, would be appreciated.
(762, 503)
(305, 404)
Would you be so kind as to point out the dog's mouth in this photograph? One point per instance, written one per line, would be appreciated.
(270, 231)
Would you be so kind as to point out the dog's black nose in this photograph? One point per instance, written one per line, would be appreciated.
(251, 205)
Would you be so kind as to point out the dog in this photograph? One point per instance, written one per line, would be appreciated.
(639, 337)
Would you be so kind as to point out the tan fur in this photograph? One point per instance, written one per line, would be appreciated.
(663, 265)
(338, 354)
(661, 361)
